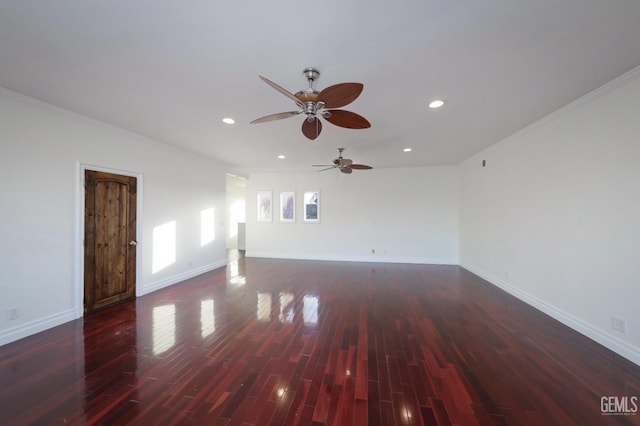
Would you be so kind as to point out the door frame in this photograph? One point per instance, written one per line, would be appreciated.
(79, 231)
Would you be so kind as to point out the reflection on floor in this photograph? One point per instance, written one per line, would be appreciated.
(305, 342)
(234, 254)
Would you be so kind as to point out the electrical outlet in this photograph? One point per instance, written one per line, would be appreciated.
(373, 251)
(619, 324)
(12, 313)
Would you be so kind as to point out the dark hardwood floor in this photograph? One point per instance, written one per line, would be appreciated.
(315, 343)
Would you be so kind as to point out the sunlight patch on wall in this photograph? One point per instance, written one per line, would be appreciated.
(164, 246)
(163, 328)
(207, 317)
(207, 226)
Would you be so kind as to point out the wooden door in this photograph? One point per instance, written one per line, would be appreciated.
(110, 239)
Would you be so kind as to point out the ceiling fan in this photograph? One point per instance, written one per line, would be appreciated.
(345, 165)
(323, 104)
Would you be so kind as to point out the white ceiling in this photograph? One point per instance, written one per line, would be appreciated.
(171, 70)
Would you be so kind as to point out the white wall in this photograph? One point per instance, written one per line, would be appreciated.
(42, 152)
(405, 215)
(554, 217)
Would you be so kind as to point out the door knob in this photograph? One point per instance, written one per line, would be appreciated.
(133, 243)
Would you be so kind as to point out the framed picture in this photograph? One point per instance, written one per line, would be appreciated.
(287, 206)
(265, 206)
(311, 206)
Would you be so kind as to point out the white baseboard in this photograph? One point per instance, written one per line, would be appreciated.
(609, 341)
(369, 258)
(29, 328)
(155, 286)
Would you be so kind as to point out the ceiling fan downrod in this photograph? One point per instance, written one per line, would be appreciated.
(309, 96)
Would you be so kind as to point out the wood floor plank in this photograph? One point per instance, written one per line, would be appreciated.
(315, 343)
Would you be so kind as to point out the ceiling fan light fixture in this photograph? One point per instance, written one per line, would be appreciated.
(436, 103)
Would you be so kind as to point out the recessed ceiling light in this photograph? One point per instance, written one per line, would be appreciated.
(436, 104)
(282, 157)
(228, 120)
(407, 150)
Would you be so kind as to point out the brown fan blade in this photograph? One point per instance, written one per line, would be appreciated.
(347, 119)
(278, 116)
(345, 161)
(346, 170)
(281, 90)
(311, 129)
(361, 167)
(339, 95)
